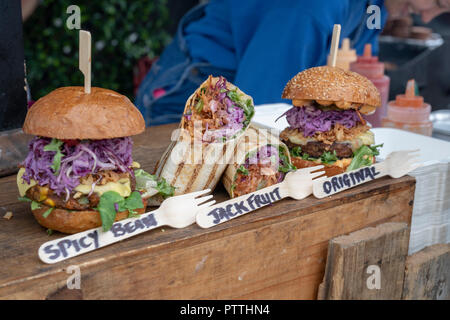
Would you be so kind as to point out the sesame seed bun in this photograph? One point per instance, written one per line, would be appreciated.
(330, 85)
(69, 113)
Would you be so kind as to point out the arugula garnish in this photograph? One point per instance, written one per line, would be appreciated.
(296, 151)
(199, 106)
(285, 166)
(249, 111)
(35, 205)
(234, 96)
(364, 156)
(24, 199)
(144, 180)
(55, 146)
(328, 157)
(46, 213)
(164, 188)
(111, 200)
(242, 169)
(306, 156)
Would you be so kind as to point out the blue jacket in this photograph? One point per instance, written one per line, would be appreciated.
(258, 44)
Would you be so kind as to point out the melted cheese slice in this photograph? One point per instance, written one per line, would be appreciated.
(22, 185)
(122, 187)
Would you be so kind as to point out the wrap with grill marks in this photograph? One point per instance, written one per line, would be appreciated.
(261, 160)
(215, 118)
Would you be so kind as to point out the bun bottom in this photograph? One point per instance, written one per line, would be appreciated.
(330, 170)
(66, 221)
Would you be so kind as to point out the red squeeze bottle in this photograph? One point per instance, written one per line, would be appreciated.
(409, 112)
(369, 67)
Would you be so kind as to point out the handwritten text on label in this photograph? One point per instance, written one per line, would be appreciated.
(251, 203)
(85, 241)
(348, 180)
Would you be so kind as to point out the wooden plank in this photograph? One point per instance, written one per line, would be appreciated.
(367, 264)
(427, 274)
(14, 149)
(276, 252)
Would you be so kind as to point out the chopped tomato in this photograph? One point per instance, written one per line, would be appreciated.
(71, 142)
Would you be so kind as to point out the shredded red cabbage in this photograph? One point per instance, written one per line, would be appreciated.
(79, 160)
(310, 120)
(234, 113)
(265, 155)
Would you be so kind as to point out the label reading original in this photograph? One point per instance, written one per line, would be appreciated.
(348, 180)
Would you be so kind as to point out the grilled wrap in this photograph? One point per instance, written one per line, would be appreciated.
(215, 117)
(261, 160)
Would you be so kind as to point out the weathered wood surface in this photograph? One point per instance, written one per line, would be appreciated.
(278, 252)
(427, 274)
(367, 264)
(13, 150)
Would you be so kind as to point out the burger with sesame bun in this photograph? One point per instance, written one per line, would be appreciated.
(326, 122)
(79, 173)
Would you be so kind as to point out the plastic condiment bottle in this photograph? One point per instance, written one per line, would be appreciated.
(344, 56)
(409, 112)
(369, 66)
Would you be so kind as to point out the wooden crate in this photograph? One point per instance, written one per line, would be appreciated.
(278, 252)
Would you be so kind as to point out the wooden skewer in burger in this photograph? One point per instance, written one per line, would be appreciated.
(79, 173)
(326, 123)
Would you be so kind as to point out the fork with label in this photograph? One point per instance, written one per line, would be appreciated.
(297, 184)
(396, 165)
(168, 214)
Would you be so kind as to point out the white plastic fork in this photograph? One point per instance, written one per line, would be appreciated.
(297, 184)
(396, 165)
(176, 212)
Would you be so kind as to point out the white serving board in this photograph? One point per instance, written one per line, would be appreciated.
(431, 213)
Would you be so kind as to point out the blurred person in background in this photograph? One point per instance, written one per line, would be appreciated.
(427, 9)
(259, 45)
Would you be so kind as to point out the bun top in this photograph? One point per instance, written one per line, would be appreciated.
(69, 113)
(330, 84)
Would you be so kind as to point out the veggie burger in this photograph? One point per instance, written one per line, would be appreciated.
(326, 122)
(79, 173)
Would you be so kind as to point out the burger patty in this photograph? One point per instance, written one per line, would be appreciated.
(316, 148)
(37, 193)
(81, 202)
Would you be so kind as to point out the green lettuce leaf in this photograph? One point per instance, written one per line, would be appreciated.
(55, 146)
(234, 96)
(106, 207)
(151, 185)
(46, 213)
(328, 157)
(110, 200)
(242, 169)
(285, 165)
(363, 156)
(296, 151)
(35, 205)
